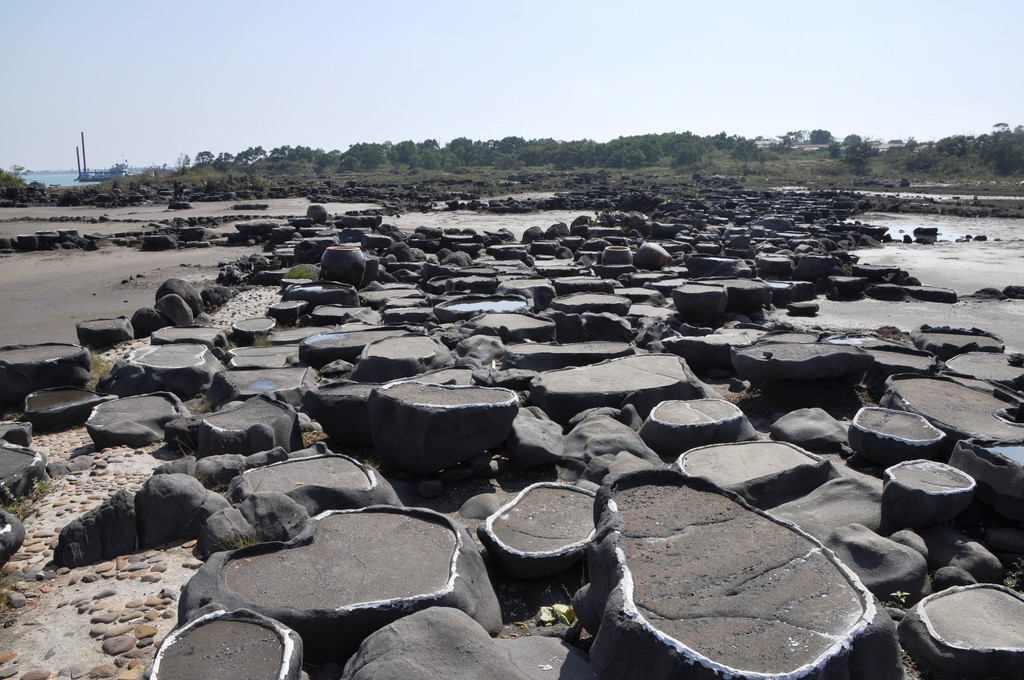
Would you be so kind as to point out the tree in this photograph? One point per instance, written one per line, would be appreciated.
(858, 153)
(835, 149)
(184, 161)
(223, 161)
(203, 158)
(18, 170)
(251, 155)
(820, 137)
(746, 150)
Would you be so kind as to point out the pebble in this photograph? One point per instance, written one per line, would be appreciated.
(114, 631)
(118, 645)
(36, 674)
(132, 673)
(105, 671)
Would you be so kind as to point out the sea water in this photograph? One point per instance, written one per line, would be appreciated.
(56, 179)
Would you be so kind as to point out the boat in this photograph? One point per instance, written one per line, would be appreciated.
(87, 175)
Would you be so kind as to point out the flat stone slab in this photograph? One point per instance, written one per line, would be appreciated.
(259, 424)
(1007, 369)
(56, 407)
(423, 427)
(674, 427)
(323, 293)
(768, 362)
(971, 632)
(321, 348)
(287, 384)
(700, 302)
(401, 356)
(263, 357)
(463, 309)
(945, 342)
(248, 330)
(134, 421)
(692, 583)
(998, 468)
(317, 483)
(887, 437)
(353, 572)
(764, 473)
(596, 303)
(711, 351)
(189, 335)
(960, 408)
(646, 379)
(221, 645)
(331, 315)
(512, 327)
(184, 369)
(104, 332)
(545, 356)
(542, 531)
(920, 493)
(27, 368)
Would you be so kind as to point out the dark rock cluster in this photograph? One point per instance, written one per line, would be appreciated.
(751, 501)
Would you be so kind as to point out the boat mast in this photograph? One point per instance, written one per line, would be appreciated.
(78, 160)
(84, 164)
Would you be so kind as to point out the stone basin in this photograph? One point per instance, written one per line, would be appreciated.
(764, 473)
(318, 483)
(887, 437)
(674, 426)
(543, 530)
(468, 307)
(968, 632)
(692, 583)
(922, 493)
(322, 348)
(57, 407)
(27, 368)
(350, 573)
(423, 428)
(962, 408)
(224, 645)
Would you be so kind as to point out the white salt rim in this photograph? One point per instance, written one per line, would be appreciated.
(693, 656)
(510, 395)
(488, 524)
(921, 612)
(278, 628)
(934, 466)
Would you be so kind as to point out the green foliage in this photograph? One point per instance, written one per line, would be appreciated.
(1015, 577)
(10, 181)
(1000, 153)
(100, 367)
(303, 271)
(23, 507)
(820, 137)
(900, 597)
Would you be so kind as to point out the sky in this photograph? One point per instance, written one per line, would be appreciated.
(149, 81)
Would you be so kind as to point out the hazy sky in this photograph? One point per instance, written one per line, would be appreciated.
(153, 80)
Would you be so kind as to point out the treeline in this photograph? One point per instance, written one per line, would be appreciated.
(1000, 152)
